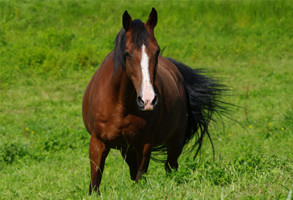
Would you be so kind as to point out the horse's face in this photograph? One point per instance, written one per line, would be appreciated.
(141, 58)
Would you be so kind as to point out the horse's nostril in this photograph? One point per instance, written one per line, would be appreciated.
(155, 101)
(140, 102)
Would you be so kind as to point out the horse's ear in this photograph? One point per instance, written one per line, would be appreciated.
(127, 21)
(153, 18)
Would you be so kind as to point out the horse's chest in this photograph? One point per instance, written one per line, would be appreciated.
(120, 132)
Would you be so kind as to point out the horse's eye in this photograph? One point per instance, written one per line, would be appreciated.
(126, 54)
(158, 52)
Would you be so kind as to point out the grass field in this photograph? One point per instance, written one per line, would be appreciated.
(50, 49)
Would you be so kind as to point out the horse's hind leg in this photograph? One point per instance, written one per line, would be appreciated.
(97, 154)
(174, 149)
(130, 158)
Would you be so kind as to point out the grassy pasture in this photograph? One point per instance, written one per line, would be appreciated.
(50, 49)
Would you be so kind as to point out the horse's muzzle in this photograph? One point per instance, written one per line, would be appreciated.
(147, 105)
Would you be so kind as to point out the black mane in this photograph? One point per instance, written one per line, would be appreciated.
(139, 37)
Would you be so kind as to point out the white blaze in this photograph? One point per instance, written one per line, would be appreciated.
(146, 86)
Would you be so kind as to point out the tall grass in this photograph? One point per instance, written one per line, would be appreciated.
(50, 49)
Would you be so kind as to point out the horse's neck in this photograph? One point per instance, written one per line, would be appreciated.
(124, 89)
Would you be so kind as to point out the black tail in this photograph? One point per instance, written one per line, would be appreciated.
(203, 104)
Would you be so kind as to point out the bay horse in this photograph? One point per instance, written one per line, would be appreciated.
(138, 101)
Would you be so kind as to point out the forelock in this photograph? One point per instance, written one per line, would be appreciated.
(139, 34)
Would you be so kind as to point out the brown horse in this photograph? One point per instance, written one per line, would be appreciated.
(138, 102)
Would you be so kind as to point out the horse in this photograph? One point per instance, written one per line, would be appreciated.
(139, 101)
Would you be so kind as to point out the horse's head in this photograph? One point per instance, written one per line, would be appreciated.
(141, 58)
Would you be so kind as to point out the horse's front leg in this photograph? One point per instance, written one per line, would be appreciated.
(130, 157)
(143, 160)
(97, 154)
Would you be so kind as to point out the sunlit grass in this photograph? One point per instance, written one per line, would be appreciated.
(50, 49)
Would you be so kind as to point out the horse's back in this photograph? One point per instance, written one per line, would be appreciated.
(171, 79)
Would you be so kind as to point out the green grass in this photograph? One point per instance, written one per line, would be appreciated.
(50, 49)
